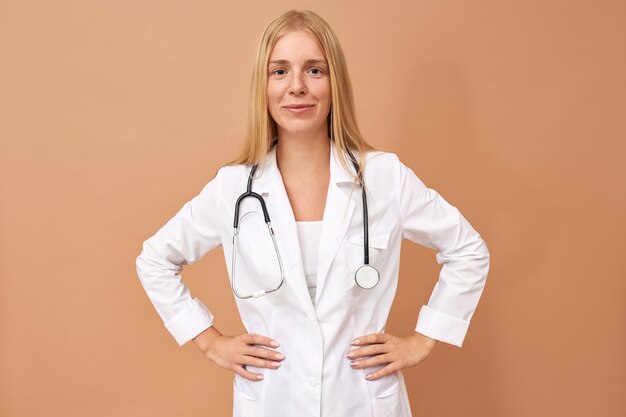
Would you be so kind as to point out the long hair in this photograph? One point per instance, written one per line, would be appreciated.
(261, 129)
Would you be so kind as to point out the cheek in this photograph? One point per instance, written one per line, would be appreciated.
(324, 91)
(273, 97)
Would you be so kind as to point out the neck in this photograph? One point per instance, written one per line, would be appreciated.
(302, 156)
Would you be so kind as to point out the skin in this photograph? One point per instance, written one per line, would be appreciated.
(298, 73)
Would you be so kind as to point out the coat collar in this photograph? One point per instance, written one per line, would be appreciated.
(268, 174)
(340, 204)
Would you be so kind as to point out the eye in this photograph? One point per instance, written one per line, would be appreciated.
(316, 71)
(276, 71)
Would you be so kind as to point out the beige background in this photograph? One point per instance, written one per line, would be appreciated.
(114, 114)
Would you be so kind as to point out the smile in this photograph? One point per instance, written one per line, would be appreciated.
(299, 108)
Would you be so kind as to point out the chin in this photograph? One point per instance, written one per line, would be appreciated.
(302, 125)
(299, 130)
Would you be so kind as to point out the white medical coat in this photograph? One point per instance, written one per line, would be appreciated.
(315, 379)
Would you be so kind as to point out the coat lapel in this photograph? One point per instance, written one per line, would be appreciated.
(338, 212)
(340, 204)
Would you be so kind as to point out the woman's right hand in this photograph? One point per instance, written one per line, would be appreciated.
(235, 352)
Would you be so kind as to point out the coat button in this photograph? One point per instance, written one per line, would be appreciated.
(312, 381)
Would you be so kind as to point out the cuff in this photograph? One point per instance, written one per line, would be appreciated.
(441, 326)
(190, 322)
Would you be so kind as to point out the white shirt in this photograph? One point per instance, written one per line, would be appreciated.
(309, 239)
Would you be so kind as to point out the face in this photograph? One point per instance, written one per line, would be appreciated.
(298, 85)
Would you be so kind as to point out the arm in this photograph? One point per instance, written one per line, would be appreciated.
(429, 220)
(183, 240)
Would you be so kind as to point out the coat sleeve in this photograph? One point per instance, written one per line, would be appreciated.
(430, 221)
(184, 239)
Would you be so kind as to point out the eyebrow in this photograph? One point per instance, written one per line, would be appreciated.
(308, 61)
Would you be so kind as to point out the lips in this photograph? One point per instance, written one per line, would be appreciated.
(298, 106)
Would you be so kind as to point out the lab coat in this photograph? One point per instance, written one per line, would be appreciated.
(315, 379)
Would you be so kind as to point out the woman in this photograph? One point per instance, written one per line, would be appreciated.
(314, 287)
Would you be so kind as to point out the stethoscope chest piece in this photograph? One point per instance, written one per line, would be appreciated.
(367, 277)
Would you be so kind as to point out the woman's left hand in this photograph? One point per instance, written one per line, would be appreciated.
(396, 352)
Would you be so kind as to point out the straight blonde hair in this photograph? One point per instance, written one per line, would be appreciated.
(261, 129)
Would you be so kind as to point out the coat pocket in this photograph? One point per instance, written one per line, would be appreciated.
(243, 404)
(387, 386)
(246, 389)
(389, 406)
(385, 394)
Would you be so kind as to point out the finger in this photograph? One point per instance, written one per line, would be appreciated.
(373, 361)
(389, 369)
(259, 363)
(240, 370)
(370, 338)
(257, 339)
(367, 350)
(263, 353)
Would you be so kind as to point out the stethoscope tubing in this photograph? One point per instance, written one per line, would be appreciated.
(365, 271)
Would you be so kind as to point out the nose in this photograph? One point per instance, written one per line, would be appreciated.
(297, 85)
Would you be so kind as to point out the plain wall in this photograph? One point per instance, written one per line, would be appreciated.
(114, 114)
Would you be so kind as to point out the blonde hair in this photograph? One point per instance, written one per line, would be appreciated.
(261, 129)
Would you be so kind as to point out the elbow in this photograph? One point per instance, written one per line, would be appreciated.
(484, 261)
(140, 267)
(143, 265)
(483, 255)
(483, 250)
(486, 253)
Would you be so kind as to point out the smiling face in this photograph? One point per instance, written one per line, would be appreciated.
(298, 85)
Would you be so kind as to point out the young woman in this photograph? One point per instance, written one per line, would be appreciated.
(313, 260)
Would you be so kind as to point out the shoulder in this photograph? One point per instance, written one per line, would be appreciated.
(223, 179)
(228, 173)
(388, 163)
(386, 171)
(382, 163)
(382, 174)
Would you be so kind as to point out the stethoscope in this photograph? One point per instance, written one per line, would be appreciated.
(366, 276)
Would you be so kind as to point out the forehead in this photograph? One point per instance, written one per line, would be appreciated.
(297, 45)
